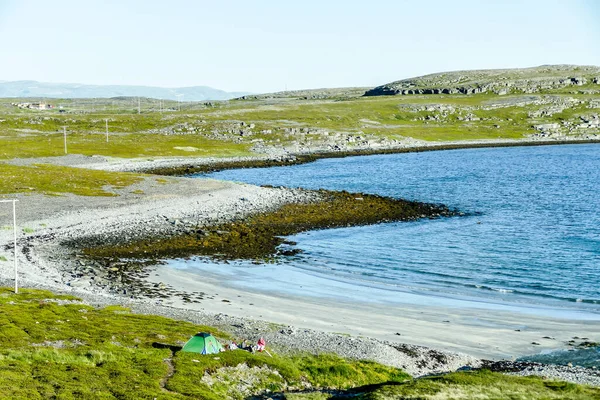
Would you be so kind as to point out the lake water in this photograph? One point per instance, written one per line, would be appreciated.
(530, 240)
(531, 237)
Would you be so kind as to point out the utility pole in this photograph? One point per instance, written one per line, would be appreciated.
(139, 108)
(14, 202)
(65, 135)
(15, 243)
(106, 120)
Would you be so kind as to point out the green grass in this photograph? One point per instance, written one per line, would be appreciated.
(125, 146)
(483, 385)
(53, 347)
(29, 133)
(201, 130)
(2, 258)
(53, 180)
(50, 350)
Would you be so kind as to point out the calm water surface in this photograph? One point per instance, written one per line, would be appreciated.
(531, 237)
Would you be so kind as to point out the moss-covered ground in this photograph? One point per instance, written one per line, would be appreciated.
(481, 385)
(55, 347)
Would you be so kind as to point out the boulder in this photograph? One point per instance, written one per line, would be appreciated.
(546, 127)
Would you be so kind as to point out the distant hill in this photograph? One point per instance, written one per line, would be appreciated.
(309, 94)
(500, 81)
(76, 90)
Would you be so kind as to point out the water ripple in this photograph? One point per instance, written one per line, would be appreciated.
(532, 232)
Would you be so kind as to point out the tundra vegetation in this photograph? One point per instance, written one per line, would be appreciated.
(544, 103)
(56, 347)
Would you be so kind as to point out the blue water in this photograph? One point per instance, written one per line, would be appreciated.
(586, 357)
(531, 237)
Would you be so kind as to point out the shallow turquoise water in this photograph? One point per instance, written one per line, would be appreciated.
(531, 237)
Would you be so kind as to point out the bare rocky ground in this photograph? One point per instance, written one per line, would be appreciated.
(173, 203)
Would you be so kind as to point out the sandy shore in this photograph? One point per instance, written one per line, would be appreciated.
(375, 331)
(483, 332)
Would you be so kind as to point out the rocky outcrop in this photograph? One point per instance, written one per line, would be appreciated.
(503, 81)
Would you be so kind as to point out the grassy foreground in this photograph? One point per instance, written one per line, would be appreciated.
(54, 347)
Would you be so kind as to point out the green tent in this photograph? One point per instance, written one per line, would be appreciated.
(203, 343)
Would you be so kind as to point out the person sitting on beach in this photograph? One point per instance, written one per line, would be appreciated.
(245, 346)
(260, 346)
(233, 346)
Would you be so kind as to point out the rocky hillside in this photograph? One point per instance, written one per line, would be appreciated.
(309, 94)
(499, 81)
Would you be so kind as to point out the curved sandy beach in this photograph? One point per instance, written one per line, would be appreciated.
(464, 333)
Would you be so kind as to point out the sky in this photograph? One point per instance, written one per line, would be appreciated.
(267, 45)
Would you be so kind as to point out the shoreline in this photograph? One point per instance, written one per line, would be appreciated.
(300, 158)
(163, 207)
(495, 333)
(189, 165)
(281, 280)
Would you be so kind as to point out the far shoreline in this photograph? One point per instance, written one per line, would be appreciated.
(184, 168)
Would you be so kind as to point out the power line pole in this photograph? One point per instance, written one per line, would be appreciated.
(15, 243)
(139, 108)
(106, 120)
(14, 202)
(65, 135)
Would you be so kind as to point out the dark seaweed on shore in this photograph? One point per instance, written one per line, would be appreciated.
(258, 237)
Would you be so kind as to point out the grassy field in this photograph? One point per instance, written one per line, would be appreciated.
(57, 180)
(214, 132)
(246, 127)
(54, 347)
(125, 146)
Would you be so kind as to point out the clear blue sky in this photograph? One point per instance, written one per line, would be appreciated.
(268, 45)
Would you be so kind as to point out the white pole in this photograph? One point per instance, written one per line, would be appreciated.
(139, 108)
(15, 240)
(106, 129)
(65, 134)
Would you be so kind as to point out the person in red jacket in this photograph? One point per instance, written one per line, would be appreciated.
(260, 346)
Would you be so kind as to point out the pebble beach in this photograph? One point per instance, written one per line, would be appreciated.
(421, 340)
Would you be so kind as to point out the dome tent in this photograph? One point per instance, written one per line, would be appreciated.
(203, 343)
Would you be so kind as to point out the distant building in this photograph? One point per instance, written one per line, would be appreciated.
(34, 106)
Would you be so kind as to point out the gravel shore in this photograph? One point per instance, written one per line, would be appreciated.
(166, 204)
